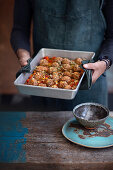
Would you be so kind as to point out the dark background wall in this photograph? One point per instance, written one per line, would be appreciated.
(8, 61)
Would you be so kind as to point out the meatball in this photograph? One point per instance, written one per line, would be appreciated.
(73, 87)
(52, 69)
(41, 68)
(41, 81)
(54, 86)
(76, 75)
(66, 78)
(55, 76)
(67, 73)
(55, 73)
(76, 67)
(32, 81)
(49, 82)
(42, 84)
(55, 64)
(62, 84)
(58, 60)
(67, 87)
(60, 75)
(78, 61)
(65, 61)
(38, 82)
(76, 82)
(72, 62)
(39, 75)
(44, 62)
(66, 66)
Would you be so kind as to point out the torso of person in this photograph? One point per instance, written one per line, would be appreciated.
(72, 25)
(68, 24)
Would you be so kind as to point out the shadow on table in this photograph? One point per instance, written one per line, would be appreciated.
(18, 102)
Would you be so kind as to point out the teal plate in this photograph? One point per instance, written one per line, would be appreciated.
(100, 137)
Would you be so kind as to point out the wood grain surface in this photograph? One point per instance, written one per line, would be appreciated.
(45, 147)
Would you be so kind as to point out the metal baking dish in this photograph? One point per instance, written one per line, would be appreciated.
(48, 91)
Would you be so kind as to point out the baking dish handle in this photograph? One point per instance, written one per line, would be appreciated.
(25, 69)
(87, 79)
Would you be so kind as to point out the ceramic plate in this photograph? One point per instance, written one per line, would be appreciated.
(100, 137)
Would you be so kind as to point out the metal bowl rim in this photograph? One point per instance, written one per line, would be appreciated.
(91, 103)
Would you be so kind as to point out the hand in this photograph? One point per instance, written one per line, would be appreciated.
(23, 56)
(98, 68)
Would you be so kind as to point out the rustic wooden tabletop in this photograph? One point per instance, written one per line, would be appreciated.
(34, 140)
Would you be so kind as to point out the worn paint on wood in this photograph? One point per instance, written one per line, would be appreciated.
(12, 137)
(46, 144)
(46, 148)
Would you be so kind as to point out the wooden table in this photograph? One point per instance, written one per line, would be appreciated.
(34, 140)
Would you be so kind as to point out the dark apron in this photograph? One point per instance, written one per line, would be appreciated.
(71, 25)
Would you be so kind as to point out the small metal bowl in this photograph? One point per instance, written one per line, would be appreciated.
(90, 115)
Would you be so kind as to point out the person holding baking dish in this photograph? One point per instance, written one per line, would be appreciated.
(71, 25)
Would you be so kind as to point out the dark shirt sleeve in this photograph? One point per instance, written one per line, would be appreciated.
(107, 45)
(20, 34)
